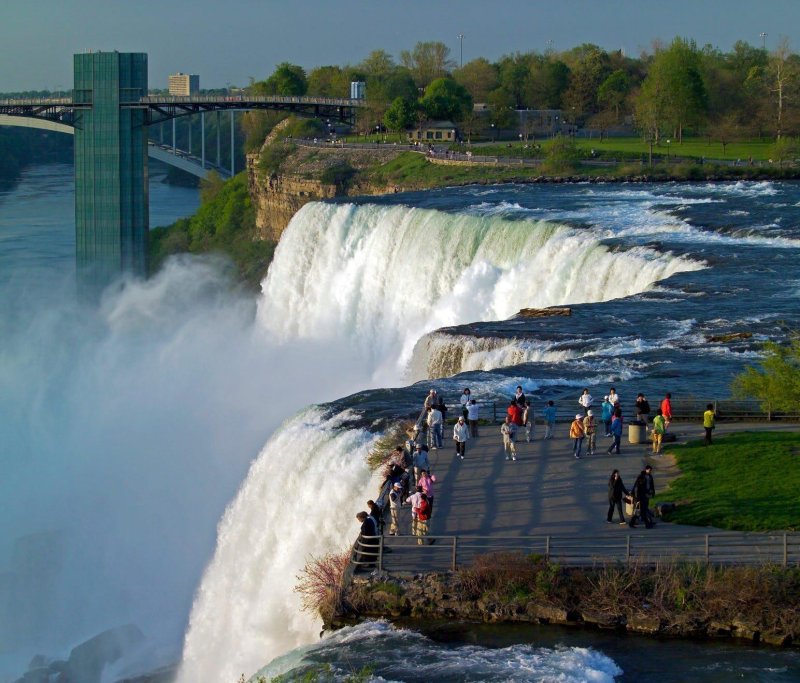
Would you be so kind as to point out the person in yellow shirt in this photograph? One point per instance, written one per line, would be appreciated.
(708, 422)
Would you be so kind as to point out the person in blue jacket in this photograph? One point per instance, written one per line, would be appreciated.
(549, 413)
(616, 432)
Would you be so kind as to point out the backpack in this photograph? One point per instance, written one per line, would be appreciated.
(423, 510)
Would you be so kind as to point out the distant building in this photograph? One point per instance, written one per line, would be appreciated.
(184, 85)
(434, 131)
(358, 90)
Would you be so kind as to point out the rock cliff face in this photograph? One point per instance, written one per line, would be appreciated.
(278, 196)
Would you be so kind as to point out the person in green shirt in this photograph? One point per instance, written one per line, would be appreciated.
(659, 427)
(708, 422)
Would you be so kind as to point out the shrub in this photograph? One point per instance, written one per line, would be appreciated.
(320, 583)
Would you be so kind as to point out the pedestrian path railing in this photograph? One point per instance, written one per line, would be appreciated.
(405, 554)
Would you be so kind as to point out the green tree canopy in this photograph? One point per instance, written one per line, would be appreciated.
(329, 81)
(776, 383)
(479, 77)
(287, 79)
(400, 115)
(446, 99)
(613, 91)
(427, 62)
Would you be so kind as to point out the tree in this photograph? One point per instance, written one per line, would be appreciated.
(776, 383)
(328, 81)
(546, 83)
(287, 80)
(427, 62)
(377, 63)
(613, 91)
(785, 149)
(479, 77)
(673, 95)
(782, 75)
(400, 115)
(446, 99)
(588, 72)
(501, 108)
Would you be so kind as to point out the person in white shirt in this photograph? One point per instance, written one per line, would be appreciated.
(613, 396)
(435, 428)
(472, 417)
(509, 430)
(586, 401)
(465, 398)
(460, 436)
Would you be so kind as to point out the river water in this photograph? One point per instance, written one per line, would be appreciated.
(147, 474)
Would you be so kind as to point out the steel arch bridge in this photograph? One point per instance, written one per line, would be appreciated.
(109, 114)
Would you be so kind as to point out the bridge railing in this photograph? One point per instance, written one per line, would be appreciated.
(265, 99)
(404, 554)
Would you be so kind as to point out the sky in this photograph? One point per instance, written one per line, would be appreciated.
(227, 42)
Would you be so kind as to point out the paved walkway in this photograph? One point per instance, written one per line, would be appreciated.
(547, 491)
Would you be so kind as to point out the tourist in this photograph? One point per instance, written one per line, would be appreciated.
(586, 401)
(472, 417)
(709, 422)
(376, 513)
(426, 482)
(642, 499)
(658, 431)
(431, 398)
(606, 411)
(435, 423)
(441, 407)
(590, 429)
(616, 432)
(395, 503)
(519, 396)
(529, 420)
(651, 489)
(577, 435)
(549, 414)
(420, 461)
(509, 430)
(465, 398)
(613, 396)
(666, 410)
(514, 412)
(413, 502)
(616, 489)
(460, 436)
(642, 408)
(367, 540)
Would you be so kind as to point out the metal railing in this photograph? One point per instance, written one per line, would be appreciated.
(405, 554)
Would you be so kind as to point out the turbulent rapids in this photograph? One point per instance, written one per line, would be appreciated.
(386, 275)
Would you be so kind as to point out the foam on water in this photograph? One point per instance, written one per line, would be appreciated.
(393, 654)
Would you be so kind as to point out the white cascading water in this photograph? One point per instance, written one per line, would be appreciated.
(372, 279)
(386, 275)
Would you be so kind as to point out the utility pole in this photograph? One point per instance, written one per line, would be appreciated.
(461, 47)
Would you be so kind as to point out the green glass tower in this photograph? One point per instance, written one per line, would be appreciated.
(111, 191)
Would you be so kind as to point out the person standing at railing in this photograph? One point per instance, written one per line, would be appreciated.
(577, 435)
(426, 480)
(420, 461)
(367, 542)
(395, 503)
(514, 411)
(472, 417)
(423, 516)
(666, 410)
(431, 399)
(508, 430)
(461, 436)
(709, 422)
(549, 414)
(465, 398)
(613, 396)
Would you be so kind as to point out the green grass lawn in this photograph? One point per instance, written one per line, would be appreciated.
(748, 481)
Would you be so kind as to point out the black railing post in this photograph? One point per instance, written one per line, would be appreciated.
(628, 549)
(708, 554)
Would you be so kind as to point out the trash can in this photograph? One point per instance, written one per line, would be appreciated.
(636, 432)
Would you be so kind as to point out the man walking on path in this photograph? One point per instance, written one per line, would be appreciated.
(590, 429)
(460, 436)
(666, 410)
(616, 432)
(642, 408)
(641, 496)
(658, 432)
(549, 420)
(509, 430)
(577, 435)
(709, 422)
